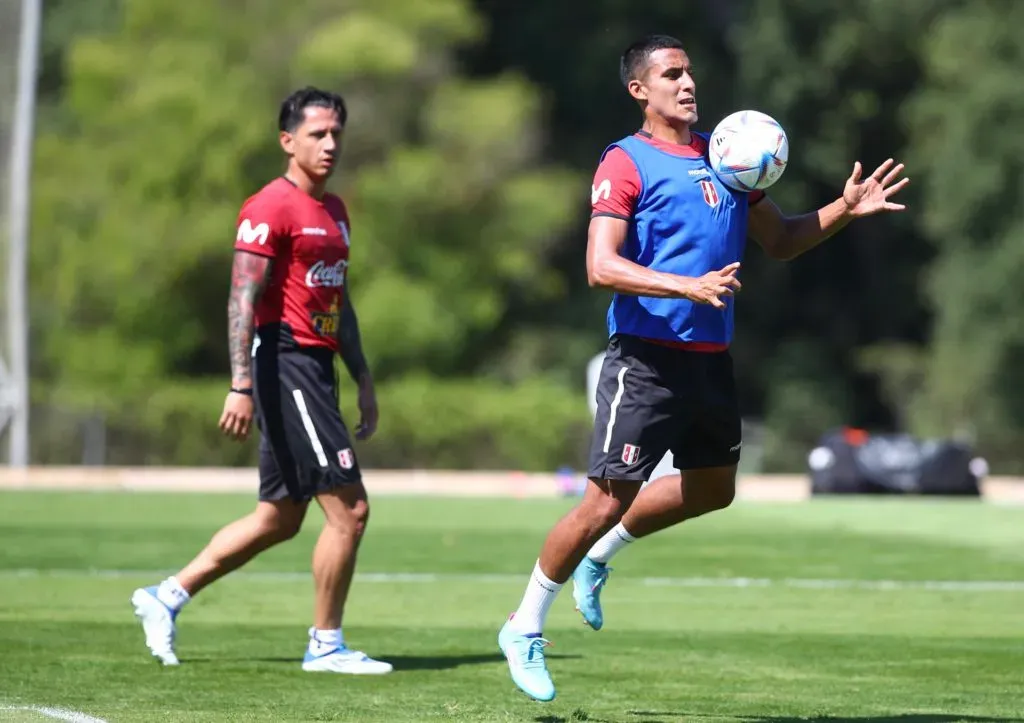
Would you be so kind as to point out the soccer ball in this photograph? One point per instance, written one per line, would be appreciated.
(749, 150)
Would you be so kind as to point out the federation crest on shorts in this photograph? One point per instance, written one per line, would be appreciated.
(630, 454)
(346, 459)
(710, 193)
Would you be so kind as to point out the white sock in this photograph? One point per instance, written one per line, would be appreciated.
(533, 610)
(172, 594)
(324, 641)
(613, 541)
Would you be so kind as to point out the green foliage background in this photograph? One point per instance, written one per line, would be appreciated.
(475, 128)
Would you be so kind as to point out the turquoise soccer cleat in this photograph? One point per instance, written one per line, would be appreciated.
(525, 656)
(587, 580)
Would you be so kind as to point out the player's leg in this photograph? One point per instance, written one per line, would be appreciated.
(346, 512)
(650, 387)
(664, 502)
(591, 575)
(521, 638)
(237, 543)
(601, 507)
(280, 512)
(706, 442)
(328, 471)
(275, 519)
(629, 439)
(616, 539)
(670, 500)
(708, 450)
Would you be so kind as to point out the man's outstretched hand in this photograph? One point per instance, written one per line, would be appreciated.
(871, 195)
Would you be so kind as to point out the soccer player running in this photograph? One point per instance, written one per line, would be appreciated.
(667, 237)
(288, 314)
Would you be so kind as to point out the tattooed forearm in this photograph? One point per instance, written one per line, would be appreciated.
(249, 276)
(349, 343)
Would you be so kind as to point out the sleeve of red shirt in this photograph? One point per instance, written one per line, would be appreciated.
(261, 227)
(339, 211)
(616, 186)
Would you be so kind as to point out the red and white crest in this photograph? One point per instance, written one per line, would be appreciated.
(346, 459)
(630, 453)
(710, 193)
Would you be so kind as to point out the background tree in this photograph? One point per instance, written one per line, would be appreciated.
(475, 130)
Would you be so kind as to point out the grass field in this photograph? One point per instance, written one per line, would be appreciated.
(829, 611)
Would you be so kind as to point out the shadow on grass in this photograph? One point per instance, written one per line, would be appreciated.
(639, 716)
(647, 716)
(401, 662)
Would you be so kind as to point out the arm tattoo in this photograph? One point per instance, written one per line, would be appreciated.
(350, 346)
(249, 276)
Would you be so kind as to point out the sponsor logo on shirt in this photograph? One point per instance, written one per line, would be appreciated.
(322, 274)
(601, 190)
(249, 234)
(325, 323)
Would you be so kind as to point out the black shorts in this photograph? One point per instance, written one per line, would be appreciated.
(653, 398)
(305, 448)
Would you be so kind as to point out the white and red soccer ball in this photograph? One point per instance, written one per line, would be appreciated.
(748, 151)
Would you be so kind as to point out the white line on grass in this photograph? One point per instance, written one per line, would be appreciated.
(72, 716)
(432, 577)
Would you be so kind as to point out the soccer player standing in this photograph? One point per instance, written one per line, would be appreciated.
(288, 315)
(667, 237)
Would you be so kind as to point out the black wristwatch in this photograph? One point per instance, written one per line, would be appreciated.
(246, 391)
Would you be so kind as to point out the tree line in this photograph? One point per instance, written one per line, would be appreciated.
(474, 131)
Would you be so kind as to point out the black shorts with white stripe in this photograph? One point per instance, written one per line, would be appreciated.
(653, 398)
(305, 447)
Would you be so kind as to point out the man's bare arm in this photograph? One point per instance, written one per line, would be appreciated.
(349, 343)
(606, 268)
(786, 237)
(350, 347)
(250, 274)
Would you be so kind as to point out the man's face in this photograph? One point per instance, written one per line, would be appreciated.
(316, 142)
(668, 87)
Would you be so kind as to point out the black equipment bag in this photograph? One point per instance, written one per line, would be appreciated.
(851, 461)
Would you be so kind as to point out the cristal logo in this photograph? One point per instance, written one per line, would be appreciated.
(323, 274)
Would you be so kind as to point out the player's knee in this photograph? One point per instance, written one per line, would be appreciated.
(281, 529)
(726, 496)
(723, 495)
(710, 489)
(606, 511)
(279, 521)
(352, 520)
(360, 518)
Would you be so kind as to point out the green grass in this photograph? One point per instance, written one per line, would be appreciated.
(672, 650)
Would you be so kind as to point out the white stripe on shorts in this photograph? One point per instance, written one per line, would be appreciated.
(307, 422)
(615, 408)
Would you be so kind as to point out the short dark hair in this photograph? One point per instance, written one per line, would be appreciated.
(635, 57)
(293, 108)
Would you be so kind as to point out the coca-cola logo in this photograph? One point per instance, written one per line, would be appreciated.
(322, 274)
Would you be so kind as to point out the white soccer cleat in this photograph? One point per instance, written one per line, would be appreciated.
(343, 660)
(157, 623)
